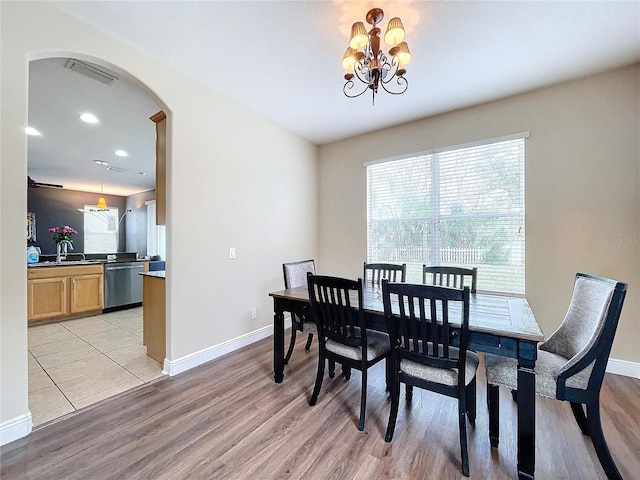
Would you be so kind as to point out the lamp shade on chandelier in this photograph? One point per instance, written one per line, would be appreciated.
(368, 67)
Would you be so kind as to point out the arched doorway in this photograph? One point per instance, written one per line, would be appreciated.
(76, 362)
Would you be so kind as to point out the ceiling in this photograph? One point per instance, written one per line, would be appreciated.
(66, 151)
(282, 59)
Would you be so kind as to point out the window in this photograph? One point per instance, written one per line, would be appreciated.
(100, 230)
(458, 206)
(156, 234)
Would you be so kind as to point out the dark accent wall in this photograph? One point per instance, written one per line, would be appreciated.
(57, 207)
(136, 222)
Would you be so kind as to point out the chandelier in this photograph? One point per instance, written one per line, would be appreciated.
(367, 63)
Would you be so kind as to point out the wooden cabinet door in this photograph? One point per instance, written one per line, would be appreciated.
(47, 298)
(86, 293)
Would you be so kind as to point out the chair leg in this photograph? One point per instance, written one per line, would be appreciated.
(292, 344)
(307, 345)
(599, 442)
(580, 417)
(332, 368)
(462, 424)
(346, 371)
(408, 392)
(388, 372)
(471, 401)
(493, 402)
(363, 399)
(393, 413)
(319, 375)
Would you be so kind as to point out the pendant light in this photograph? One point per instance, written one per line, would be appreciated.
(102, 203)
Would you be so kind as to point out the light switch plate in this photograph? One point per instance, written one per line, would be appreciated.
(232, 252)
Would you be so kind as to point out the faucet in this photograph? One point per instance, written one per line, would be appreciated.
(59, 256)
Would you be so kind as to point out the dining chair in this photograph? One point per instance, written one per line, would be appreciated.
(337, 304)
(374, 273)
(450, 276)
(295, 275)
(571, 362)
(422, 351)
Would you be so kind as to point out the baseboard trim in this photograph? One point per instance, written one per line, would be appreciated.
(623, 367)
(179, 365)
(15, 428)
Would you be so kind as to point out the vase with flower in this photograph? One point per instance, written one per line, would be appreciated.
(62, 237)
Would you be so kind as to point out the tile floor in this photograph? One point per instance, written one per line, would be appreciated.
(75, 363)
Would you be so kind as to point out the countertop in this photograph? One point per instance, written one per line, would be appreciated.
(73, 259)
(73, 263)
(157, 274)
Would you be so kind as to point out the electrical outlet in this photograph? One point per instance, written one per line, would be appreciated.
(254, 313)
(232, 252)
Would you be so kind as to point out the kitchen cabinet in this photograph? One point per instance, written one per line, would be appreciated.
(61, 292)
(154, 315)
(160, 119)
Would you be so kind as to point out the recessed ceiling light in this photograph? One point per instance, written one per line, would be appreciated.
(32, 131)
(89, 118)
(121, 153)
(100, 162)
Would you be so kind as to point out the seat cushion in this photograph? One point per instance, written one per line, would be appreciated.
(444, 376)
(378, 344)
(503, 371)
(309, 326)
(304, 325)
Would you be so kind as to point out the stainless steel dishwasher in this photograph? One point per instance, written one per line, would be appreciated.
(122, 284)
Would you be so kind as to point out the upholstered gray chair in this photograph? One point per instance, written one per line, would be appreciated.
(295, 275)
(337, 304)
(422, 354)
(450, 276)
(571, 363)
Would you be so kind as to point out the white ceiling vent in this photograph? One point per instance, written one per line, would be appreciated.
(91, 71)
(117, 169)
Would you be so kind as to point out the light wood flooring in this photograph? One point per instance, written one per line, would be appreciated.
(227, 419)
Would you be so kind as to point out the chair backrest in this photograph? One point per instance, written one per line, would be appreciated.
(295, 273)
(419, 327)
(374, 273)
(586, 334)
(337, 306)
(450, 276)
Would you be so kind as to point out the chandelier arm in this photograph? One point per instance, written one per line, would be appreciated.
(400, 81)
(349, 85)
(358, 71)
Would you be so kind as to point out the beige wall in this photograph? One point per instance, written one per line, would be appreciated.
(582, 188)
(233, 177)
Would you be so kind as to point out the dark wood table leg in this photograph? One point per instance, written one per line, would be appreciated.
(278, 345)
(526, 416)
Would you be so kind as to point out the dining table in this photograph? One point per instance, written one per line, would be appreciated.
(499, 324)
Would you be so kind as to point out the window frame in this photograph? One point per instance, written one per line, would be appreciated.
(432, 222)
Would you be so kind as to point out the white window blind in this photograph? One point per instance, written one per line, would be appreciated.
(100, 230)
(462, 206)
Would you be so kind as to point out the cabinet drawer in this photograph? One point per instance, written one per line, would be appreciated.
(71, 271)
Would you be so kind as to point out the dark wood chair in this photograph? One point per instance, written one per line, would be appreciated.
(342, 336)
(374, 273)
(295, 275)
(422, 353)
(571, 362)
(450, 276)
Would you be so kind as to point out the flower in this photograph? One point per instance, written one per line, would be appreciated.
(62, 233)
